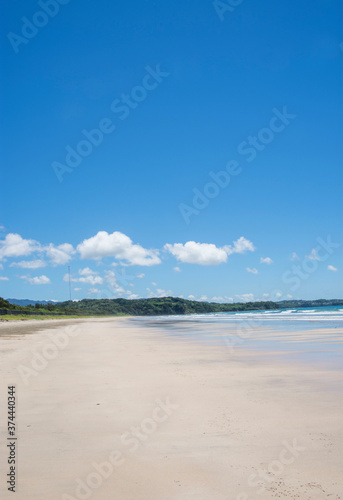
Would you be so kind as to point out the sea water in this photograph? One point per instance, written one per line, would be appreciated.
(313, 334)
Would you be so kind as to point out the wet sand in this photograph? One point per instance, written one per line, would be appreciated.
(109, 409)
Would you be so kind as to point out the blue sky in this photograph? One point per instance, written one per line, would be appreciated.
(171, 148)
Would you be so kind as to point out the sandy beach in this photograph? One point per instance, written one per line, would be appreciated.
(110, 409)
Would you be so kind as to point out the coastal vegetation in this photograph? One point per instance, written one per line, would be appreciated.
(153, 307)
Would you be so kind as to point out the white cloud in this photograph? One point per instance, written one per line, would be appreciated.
(29, 264)
(111, 279)
(163, 293)
(204, 298)
(119, 246)
(246, 297)
(241, 245)
(76, 289)
(294, 256)
(207, 254)
(177, 269)
(93, 291)
(253, 271)
(217, 299)
(1, 266)
(91, 280)
(141, 275)
(37, 280)
(313, 255)
(15, 246)
(332, 268)
(266, 260)
(278, 295)
(153, 283)
(4, 278)
(133, 296)
(191, 297)
(59, 255)
(289, 296)
(87, 272)
(265, 296)
(159, 292)
(86, 276)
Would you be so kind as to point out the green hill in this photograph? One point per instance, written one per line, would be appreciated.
(158, 306)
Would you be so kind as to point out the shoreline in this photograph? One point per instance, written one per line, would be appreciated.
(197, 422)
(25, 326)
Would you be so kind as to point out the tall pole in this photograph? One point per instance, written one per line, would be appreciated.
(69, 284)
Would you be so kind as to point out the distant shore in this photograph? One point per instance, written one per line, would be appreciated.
(158, 306)
(111, 409)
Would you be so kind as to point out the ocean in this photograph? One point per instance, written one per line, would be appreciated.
(308, 334)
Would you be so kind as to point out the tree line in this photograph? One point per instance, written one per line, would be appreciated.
(160, 306)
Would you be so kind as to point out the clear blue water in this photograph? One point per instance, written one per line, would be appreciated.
(312, 334)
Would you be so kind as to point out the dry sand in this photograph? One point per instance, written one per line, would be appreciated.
(122, 412)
